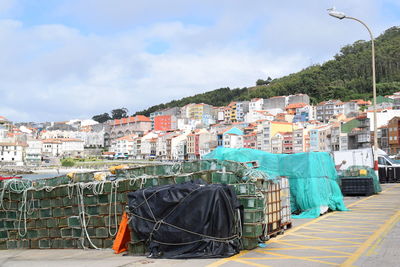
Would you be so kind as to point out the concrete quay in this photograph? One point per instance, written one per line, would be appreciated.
(366, 235)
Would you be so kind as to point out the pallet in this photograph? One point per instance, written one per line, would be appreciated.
(286, 226)
(272, 235)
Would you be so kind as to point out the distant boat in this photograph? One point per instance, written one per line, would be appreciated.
(9, 177)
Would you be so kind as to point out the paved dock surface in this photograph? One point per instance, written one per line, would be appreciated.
(367, 235)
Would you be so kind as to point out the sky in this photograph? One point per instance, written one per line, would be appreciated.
(72, 59)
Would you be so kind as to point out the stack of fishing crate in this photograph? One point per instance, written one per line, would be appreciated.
(272, 197)
(286, 213)
(253, 216)
(54, 208)
(266, 208)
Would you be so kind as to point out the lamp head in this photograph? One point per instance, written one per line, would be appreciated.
(336, 14)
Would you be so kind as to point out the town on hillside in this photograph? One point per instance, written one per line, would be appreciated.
(282, 124)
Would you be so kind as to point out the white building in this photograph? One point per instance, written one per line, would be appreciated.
(12, 153)
(242, 108)
(299, 140)
(148, 148)
(65, 147)
(55, 134)
(257, 115)
(233, 140)
(277, 143)
(327, 109)
(256, 104)
(319, 140)
(383, 117)
(124, 145)
(93, 139)
(51, 147)
(33, 155)
(350, 108)
(178, 146)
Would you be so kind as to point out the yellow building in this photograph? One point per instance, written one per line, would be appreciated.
(270, 129)
(232, 117)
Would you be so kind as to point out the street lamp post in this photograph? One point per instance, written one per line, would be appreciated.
(340, 15)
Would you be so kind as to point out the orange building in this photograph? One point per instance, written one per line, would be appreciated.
(163, 123)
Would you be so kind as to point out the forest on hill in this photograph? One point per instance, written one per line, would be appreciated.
(347, 76)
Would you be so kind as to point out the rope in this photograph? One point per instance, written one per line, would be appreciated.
(80, 187)
(114, 185)
(158, 223)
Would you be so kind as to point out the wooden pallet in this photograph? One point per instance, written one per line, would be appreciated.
(286, 225)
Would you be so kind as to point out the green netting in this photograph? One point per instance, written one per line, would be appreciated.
(362, 172)
(312, 176)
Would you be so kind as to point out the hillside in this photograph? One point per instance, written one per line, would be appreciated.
(347, 76)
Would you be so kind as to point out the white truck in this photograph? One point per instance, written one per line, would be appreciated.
(388, 170)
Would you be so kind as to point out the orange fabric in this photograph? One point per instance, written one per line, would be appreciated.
(123, 236)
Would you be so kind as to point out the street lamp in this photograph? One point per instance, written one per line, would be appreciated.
(340, 15)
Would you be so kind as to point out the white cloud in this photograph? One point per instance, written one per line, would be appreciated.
(56, 72)
(7, 5)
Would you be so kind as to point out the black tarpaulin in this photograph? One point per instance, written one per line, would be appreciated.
(189, 220)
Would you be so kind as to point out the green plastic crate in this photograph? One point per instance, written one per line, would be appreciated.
(74, 222)
(44, 243)
(223, 178)
(150, 182)
(253, 216)
(183, 178)
(252, 202)
(246, 189)
(252, 229)
(136, 248)
(249, 243)
(166, 180)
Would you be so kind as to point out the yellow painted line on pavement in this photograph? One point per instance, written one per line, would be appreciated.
(313, 247)
(329, 226)
(250, 263)
(316, 230)
(341, 232)
(385, 227)
(225, 260)
(377, 243)
(362, 223)
(313, 239)
(341, 240)
(320, 248)
(295, 229)
(286, 257)
(297, 257)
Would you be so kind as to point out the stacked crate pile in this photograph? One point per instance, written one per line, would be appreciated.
(77, 211)
(272, 199)
(50, 214)
(253, 216)
(260, 198)
(286, 214)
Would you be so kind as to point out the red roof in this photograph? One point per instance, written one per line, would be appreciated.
(361, 102)
(138, 118)
(296, 105)
(281, 122)
(130, 137)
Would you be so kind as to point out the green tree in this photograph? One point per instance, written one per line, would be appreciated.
(102, 117)
(119, 113)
